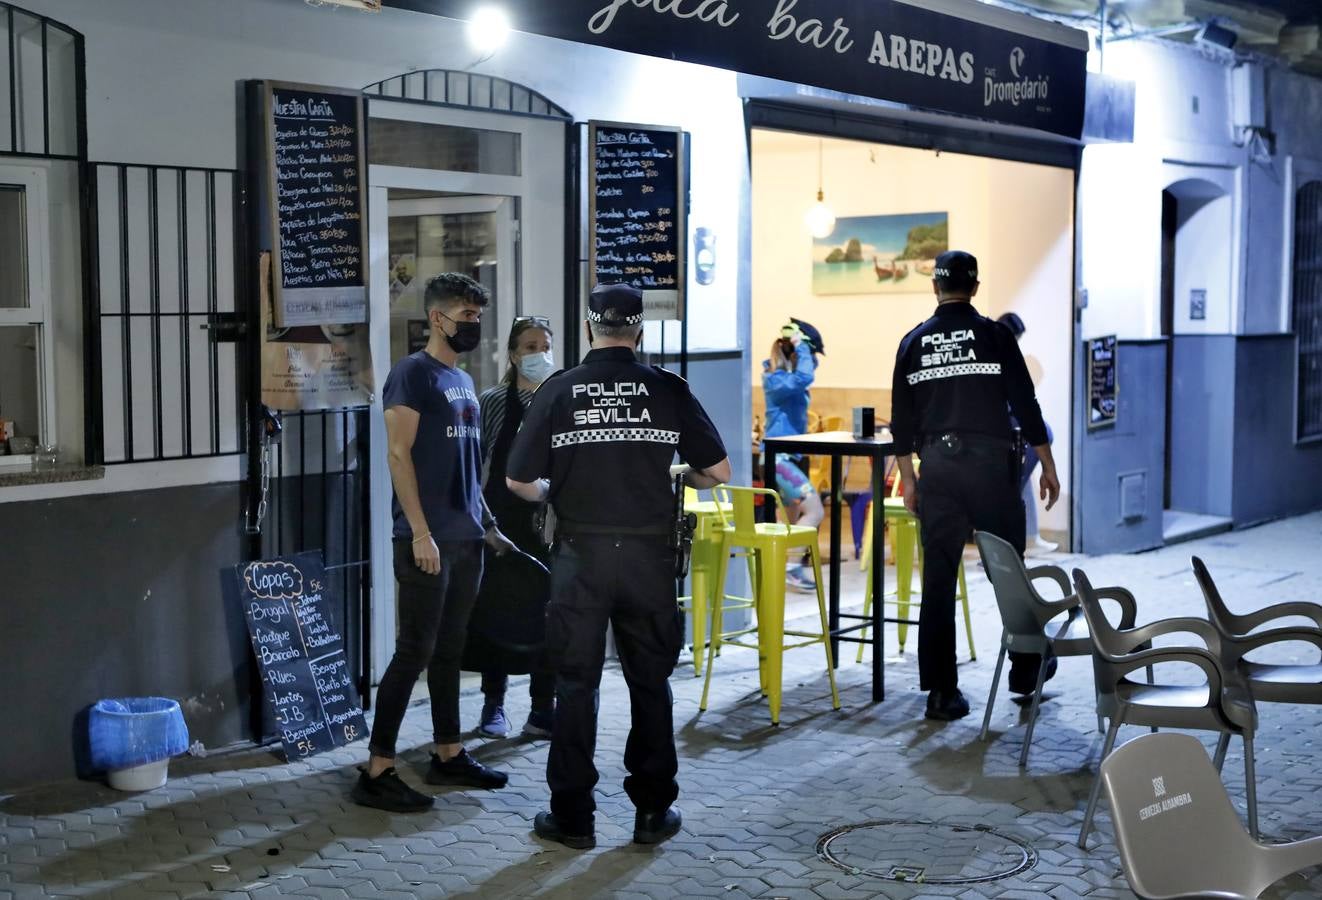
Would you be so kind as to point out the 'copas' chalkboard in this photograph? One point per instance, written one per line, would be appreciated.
(300, 653)
(636, 209)
(1102, 385)
(316, 191)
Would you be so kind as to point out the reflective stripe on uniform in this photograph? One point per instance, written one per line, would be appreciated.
(953, 371)
(608, 435)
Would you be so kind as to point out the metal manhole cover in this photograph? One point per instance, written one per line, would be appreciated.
(926, 852)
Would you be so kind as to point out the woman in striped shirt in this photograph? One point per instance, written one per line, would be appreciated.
(530, 363)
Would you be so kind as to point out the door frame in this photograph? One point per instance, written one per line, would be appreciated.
(538, 239)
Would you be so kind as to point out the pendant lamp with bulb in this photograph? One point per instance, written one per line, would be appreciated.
(821, 218)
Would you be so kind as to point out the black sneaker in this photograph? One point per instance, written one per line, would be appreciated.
(947, 706)
(1023, 679)
(653, 828)
(540, 724)
(546, 827)
(465, 771)
(389, 792)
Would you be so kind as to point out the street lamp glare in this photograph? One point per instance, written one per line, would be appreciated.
(488, 29)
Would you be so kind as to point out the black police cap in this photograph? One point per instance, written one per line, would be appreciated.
(615, 304)
(956, 269)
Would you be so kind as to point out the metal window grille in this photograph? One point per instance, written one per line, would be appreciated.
(451, 88)
(41, 86)
(163, 251)
(319, 499)
(1308, 306)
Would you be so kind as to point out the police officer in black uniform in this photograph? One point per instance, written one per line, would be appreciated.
(605, 434)
(958, 378)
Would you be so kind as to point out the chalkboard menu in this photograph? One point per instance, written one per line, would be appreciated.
(1102, 387)
(315, 164)
(300, 653)
(636, 208)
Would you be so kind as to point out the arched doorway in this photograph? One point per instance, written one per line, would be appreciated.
(1197, 311)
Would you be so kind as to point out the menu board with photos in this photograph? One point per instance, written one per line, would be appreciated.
(1102, 386)
(316, 193)
(636, 208)
(300, 654)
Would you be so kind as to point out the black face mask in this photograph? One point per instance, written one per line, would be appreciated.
(466, 337)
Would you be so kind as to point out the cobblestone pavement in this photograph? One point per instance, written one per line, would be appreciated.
(755, 798)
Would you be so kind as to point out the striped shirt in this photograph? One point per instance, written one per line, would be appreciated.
(492, 403)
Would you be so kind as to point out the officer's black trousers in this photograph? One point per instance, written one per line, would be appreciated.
(973, 490)
(629, 583)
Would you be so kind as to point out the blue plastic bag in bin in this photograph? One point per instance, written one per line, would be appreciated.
(134, 731)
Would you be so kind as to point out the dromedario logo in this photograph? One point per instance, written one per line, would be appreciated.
(1019, 87)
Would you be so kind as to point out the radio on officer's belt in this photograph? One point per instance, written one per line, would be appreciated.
(865, 422)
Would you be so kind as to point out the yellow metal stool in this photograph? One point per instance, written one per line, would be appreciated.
(704, 563)
(771, 544)
(906, 541)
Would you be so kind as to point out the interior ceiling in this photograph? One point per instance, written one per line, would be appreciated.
(1287, 29)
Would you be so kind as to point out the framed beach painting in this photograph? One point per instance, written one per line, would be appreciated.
(880, 254)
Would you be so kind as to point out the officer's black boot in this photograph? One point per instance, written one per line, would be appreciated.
(545, 826)
(655, 827)
(946, 706)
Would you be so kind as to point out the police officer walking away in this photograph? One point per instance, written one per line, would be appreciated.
(958, 378)
(606, 433)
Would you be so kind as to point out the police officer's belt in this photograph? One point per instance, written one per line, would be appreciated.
(953, 443)
(581, 528)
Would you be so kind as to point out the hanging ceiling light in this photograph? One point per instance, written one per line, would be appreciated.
(821, 218)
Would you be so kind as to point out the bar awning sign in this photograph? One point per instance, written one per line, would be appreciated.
(923, 55)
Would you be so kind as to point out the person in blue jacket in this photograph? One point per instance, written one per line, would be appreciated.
(786, 377)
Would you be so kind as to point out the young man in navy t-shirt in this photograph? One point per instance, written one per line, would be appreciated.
(433, 432)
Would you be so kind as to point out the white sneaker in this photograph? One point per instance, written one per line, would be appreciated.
(800, 578)
(1038, 547)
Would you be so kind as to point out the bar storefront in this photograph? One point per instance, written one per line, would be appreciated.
(212, 405)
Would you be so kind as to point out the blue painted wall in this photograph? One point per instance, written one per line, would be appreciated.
(1273, 476)
(1203, 425)
(1133, 448)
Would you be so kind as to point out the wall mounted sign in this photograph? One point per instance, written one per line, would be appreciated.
(885, 49)
(1102, 385)
(310, 367)
(300, 654)
(636, 203)
(1197, 304)
(315, 164)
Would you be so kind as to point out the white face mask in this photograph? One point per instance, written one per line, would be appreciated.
(536, 367)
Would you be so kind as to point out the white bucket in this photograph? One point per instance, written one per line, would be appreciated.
(146, 777)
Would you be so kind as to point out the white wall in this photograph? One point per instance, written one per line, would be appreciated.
(1184, 115)
(163, 87)
(1016, 218)
(1204, 243)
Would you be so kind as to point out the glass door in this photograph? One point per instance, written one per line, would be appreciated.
(473, 235)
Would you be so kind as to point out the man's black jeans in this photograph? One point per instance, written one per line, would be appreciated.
(433, 625)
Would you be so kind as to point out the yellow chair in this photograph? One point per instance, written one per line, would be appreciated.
(905, 540)
(704, 563)
(819, 467)
(770, 544)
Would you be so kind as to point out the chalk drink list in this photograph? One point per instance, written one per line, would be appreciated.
(300, 654)
(637, 207)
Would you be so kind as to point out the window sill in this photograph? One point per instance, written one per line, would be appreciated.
(23, 477)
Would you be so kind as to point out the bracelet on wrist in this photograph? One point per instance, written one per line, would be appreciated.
(422, 537)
